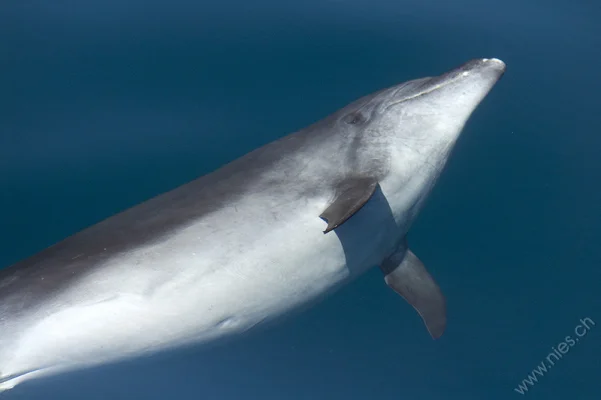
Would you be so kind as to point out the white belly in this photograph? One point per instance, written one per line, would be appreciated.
(220, 275)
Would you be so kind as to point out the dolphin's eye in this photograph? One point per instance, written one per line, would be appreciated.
(355, 118)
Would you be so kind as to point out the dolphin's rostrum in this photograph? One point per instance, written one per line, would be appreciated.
(264, 235)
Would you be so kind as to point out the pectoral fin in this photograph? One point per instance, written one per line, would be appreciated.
(352, 195)
(407, 276)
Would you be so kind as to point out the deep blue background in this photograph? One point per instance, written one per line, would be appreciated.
(105, 103)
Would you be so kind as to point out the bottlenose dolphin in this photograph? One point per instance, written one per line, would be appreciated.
(268, 233)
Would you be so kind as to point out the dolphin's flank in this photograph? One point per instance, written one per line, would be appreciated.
(262, 236)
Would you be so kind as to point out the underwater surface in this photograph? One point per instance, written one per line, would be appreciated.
(107, 103)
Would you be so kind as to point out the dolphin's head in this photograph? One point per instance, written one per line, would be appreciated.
(422, 117)
(441, 103)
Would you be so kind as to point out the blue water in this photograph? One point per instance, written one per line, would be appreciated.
(107, 103)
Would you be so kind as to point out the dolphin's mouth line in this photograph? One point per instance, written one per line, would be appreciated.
(4, 379)
(433, 88)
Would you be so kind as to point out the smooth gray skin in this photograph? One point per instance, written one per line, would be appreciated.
(366, 170)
